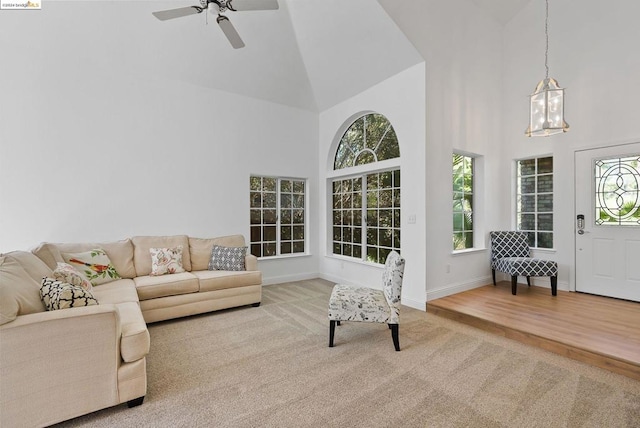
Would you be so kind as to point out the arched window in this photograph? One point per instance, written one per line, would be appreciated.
(366, 204)
(369, 139)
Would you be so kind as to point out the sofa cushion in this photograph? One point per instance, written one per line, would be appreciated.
(220, 279)
(135, 341)
(67, 273)
(19, 292)
(62, 295)
(151, 287)
(200, 249)
(118, 291)
(120, 253)
(227, 258)
(95, 264)
(142, 256)
(166, 260)
(35, 268)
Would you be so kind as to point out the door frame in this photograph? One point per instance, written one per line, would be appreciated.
(597, 146)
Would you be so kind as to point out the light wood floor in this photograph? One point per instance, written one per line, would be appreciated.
(600, 331)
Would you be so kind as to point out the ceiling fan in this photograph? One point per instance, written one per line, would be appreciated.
(219, 7)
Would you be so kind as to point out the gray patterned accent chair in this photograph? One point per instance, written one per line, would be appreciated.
(510, 253)
(364, 304)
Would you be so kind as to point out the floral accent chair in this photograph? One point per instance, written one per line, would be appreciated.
(510, 253)
(351, 303)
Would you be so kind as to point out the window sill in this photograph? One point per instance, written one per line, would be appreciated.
(354, 260)
(544, 250)
(468, 251)
(284, 256)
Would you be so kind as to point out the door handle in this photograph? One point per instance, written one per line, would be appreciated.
(580, 224)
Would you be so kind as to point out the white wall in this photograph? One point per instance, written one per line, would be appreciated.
(593, 53)
(91, 151)
(401, 99)
(462, 49)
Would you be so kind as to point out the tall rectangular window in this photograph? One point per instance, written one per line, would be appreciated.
(534, 200)
(277, 216)
(366, 222)
(462, 202)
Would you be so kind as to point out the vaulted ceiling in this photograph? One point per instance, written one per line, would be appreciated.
(309, 54)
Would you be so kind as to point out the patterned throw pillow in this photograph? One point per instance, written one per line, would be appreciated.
(166, 260)
(61, 295)
(227, 258)
(66, 273)
(94, 264)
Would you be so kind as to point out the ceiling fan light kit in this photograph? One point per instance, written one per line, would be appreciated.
(218, 7)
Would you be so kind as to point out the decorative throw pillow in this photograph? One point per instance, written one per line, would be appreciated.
(166, 260)
(61, 295)
(227, 258)
(66, 273)
(94, 264)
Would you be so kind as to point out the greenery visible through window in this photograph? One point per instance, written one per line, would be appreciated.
(462, 202)
(366, 206)
(277, 216)
(369, 139)
(534, 200)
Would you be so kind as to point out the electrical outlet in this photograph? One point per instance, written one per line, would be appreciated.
(447, 268)
(412, 219)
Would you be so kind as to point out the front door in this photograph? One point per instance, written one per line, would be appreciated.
(608, 221)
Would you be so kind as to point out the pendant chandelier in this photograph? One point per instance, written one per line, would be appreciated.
(546, 104)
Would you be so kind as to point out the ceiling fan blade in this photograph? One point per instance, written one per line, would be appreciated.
(229, 31)
(253, 5)
(163, 15)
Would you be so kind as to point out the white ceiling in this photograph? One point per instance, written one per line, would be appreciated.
(309, 54)
(502, 10)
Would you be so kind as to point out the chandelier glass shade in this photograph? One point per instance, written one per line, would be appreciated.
(546, 110)
(546, 104)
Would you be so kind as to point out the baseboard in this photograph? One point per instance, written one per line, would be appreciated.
(415, 304)
(458, 288)
(290, 278)
(331, 278)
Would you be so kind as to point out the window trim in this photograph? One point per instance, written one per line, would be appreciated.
(516, 192)
(363, 212)
(474, 199)
(278, 224)
(351, 172)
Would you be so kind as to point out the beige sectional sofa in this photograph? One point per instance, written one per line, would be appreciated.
(56, 365)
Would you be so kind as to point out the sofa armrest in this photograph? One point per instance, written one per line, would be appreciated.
(251, 262)
(135, 342)
(72, 353)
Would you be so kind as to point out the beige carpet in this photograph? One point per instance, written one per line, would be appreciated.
(271, 367)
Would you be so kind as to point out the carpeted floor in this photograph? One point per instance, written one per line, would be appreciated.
(271, 367)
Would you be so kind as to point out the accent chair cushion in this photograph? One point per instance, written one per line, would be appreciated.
(349, 303)
(61, 295)
(526, 266)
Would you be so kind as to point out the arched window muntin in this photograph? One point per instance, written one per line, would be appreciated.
(369, 139)
(364, 190)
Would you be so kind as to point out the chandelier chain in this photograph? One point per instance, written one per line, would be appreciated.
(546, 33)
